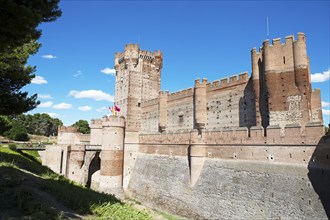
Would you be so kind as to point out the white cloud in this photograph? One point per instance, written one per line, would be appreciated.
(48, 56)
(107, 70)
(44, 96)
(85, 108)
(45, 105)
(78, 73)
(97, 95)
(102, 109)
(62, 106)
(38, 80)
(326, 111)
(321, 77)
(53, 115)
(325, 104)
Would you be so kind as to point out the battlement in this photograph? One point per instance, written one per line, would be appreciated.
(150, 102)
(225, 82)
(132, 47)
(200, 84)
(292, 135)
(96, 122)
(68, 129)
(158, 53)
(113, 121)
(288, 40)
(163, 92)
(181, 94)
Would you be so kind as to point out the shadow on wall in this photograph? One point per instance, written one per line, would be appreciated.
(247, 118)
(319, 172)
(94, 166)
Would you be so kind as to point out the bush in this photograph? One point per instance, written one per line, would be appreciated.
(17, 133)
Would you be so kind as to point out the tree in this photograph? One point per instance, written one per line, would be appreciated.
(17, 132)
(83, 126)
(20, 18)
(18, 34)
(5, 124)
(14, 74)
(39, 124)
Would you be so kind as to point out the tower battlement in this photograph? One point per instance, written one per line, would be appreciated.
(132, 47)
(289, 40)
(113, 121)
(199, 83)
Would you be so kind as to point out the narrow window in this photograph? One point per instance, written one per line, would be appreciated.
(284, 60)
(139, 104)
(180, 118)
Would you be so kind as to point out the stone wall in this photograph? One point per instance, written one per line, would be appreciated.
(235, 173)
(228, 189)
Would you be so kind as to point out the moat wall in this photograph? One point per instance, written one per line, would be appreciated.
(229, 188)
(241, 174)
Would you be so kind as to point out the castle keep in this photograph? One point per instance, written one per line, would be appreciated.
(243, 147)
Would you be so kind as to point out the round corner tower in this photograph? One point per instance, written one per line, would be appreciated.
(112, 154)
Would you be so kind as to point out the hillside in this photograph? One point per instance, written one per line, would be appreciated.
(29, 190)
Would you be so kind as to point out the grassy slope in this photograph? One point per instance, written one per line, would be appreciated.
(31, 191)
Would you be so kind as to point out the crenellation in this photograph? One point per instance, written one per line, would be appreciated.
(150, 102)
(289, 39)
(68, 129)
(243, 77)
(233, 79)
(113, 121)
(224, 82)
(265, 44)
(181, 94)
(276, 41)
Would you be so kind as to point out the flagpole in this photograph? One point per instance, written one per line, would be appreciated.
(267, 29)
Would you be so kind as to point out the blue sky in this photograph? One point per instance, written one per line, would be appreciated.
(199, 39)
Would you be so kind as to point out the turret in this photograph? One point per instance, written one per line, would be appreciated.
(300, 54)
(112, 154)
(200, 104)
(162, 108)
(96, 132)
(256, 59)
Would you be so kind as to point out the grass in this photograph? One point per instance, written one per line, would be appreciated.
(29, 190)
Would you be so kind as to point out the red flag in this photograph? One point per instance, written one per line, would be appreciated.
(117, 108)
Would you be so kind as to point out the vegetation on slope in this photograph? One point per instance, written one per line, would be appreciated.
(31, 191)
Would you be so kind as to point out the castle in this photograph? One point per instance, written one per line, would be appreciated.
(205, 143)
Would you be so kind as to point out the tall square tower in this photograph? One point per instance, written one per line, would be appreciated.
(138, 75)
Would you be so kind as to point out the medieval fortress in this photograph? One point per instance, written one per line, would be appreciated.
(243, 147)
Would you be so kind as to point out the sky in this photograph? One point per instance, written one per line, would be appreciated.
(199, 39)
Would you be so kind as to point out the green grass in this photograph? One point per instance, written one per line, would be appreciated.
(24, 182)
